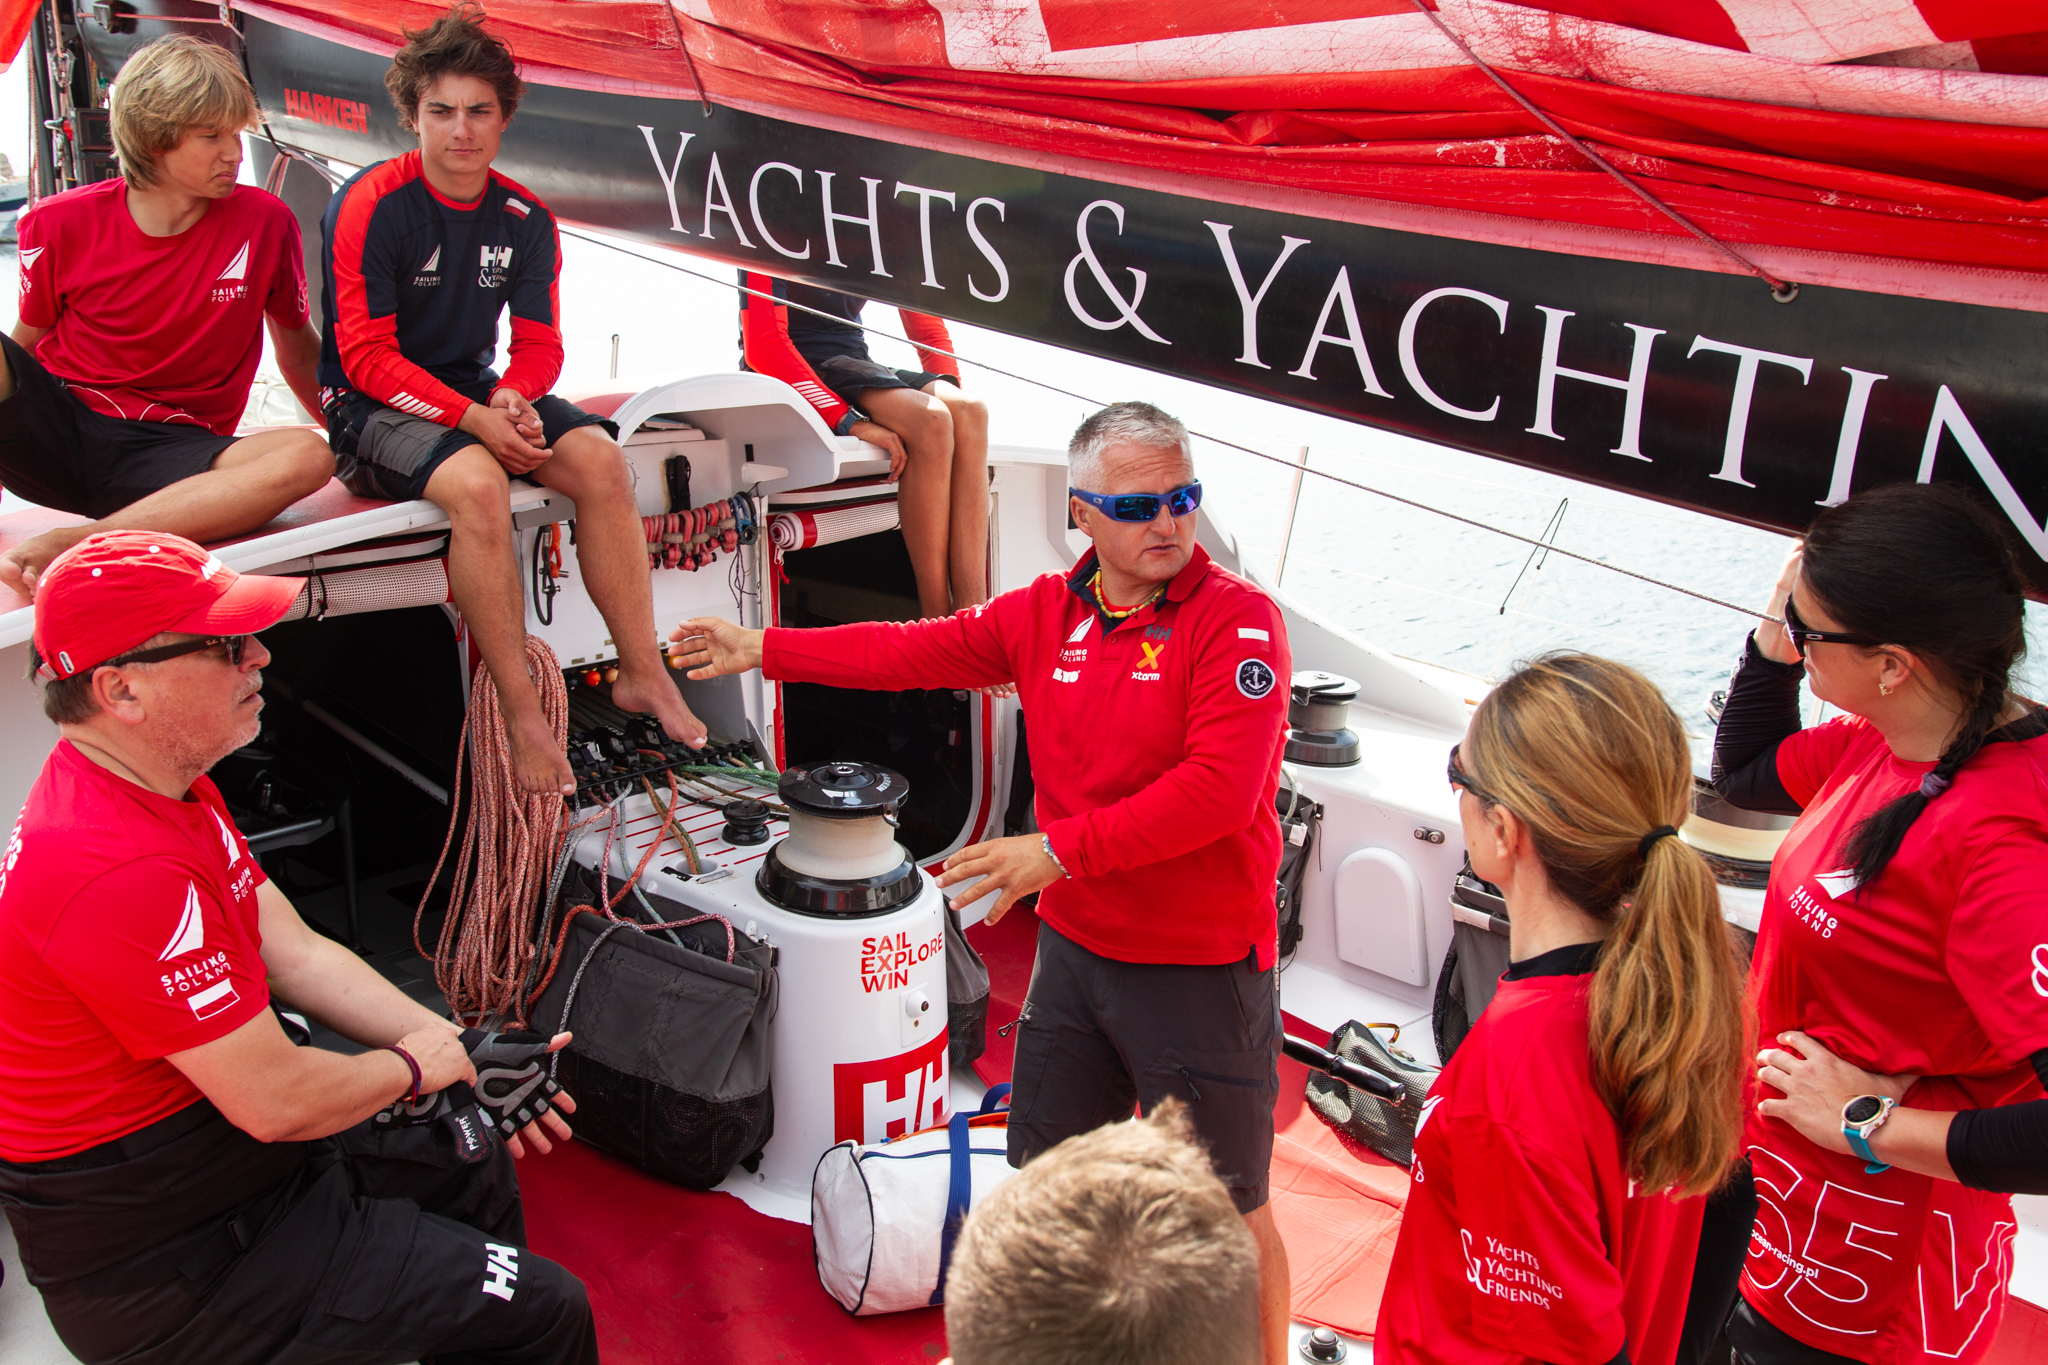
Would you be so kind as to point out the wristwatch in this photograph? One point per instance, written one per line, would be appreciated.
(1862, 1117)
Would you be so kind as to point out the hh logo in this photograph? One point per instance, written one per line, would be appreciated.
(879, 1100)
(501, 1271)
(496, 261)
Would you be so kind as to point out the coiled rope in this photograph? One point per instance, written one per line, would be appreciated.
(486, 950)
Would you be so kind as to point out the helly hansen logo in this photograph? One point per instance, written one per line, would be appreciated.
(496, 261)
(418, 407)
(351, 116)
(501, 1270)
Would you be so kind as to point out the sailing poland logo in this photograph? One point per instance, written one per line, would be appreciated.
(233, 282)
(28, 262)
(190, 935)
(429, 276)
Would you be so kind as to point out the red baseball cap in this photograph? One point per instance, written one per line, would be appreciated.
(115, 589)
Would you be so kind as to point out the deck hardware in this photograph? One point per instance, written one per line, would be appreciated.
(1430, 836)
(1322, 1344)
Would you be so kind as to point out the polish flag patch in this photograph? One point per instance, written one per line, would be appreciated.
(514, 206)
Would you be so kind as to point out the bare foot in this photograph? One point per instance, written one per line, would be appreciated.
(655, 694)
(22, 565)
(538, 760)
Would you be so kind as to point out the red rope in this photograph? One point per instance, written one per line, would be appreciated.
(486, 950)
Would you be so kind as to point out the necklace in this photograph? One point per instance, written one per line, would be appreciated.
(1120, 613)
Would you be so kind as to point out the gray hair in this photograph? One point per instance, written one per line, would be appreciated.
(1138, 424)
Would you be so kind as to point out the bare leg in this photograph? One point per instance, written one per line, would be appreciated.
(924, 496)
(1275, 1287)
(249, 483)
(483, 578)
(967, 540)
(611, 549)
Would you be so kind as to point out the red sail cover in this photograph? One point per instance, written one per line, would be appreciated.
(1904, 138)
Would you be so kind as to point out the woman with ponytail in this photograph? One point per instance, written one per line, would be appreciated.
(1901, 970)
(1562, 1156)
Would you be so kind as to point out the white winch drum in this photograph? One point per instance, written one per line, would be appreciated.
(846, 849)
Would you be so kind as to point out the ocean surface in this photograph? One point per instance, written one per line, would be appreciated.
(1412, 582)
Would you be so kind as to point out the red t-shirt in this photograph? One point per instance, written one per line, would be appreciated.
(1939, 968)
(128, 930)
(1524, 1238)
(159, 329)
(1155, 749)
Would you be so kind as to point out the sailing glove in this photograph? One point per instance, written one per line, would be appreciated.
(512, 1083)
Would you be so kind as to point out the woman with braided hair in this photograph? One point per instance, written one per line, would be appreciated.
(1901, 969)
(1562, 1158)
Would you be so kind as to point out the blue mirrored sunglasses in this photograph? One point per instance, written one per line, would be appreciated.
(1143, 506)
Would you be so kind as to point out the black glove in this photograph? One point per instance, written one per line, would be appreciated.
(512, 1084)
(456, 1109)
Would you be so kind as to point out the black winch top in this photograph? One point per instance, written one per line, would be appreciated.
(843, 790)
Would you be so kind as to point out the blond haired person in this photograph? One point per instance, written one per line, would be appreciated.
(143, 306)
(1561, 1157)
(1117, 1247)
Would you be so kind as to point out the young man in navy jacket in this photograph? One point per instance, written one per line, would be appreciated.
(421, 254)
(1156, 686)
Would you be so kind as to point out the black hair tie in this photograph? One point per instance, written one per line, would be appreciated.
(1648, 841)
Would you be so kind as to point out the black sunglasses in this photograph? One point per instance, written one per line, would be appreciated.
(1801, 636)
(1461, 779)
(233, 644)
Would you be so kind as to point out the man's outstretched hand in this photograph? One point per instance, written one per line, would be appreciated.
(1016, 866)
(710, 647)
(498, 429)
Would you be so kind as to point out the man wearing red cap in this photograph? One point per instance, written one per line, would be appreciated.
(183, 1182)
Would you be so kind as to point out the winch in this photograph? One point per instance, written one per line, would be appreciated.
(1317, 707)
(841, 856)
(859, 930)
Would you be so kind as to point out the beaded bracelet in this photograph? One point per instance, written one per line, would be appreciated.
(413, 1067)
(1045, 842)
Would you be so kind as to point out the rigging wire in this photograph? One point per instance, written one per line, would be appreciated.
(1784, 291)
(1533, 541)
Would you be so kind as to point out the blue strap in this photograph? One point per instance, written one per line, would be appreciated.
(992, 1102)
(959, 1194)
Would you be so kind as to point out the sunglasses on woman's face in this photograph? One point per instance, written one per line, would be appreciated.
(1798, 632)
(1462, 780)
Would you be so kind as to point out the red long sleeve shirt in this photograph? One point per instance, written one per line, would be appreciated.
(1155, 747)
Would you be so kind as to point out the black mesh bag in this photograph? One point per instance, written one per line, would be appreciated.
(1388, 1129)
(670, 1063)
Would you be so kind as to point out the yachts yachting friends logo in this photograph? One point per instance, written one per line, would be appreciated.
(1254, 678)
(233, 282)
(2040, 950)
(497, 260)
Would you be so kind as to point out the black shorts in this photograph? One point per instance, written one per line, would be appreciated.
(847, 376)
(380, 452)
(1098, 1038)
(57, 452)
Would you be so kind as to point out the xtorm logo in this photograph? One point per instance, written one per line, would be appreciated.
(496, 261)
(501, 1270)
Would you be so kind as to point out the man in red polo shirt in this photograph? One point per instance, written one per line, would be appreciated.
(184, 1184)
(1155, 683)
(143, 306)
